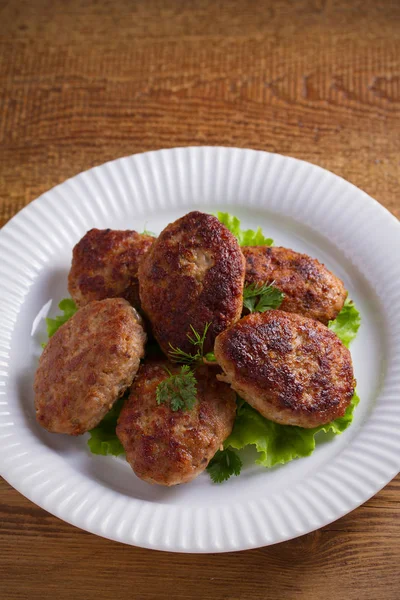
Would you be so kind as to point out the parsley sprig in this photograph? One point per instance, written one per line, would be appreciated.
(223, 465)
(259, 298)
(178, 389)
(195, 338)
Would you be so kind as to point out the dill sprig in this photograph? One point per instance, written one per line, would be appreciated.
(195, 338)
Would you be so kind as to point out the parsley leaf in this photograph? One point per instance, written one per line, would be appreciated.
(69, 308)
(103, 439)
(245, 237)
(178, 355)
(179, 389)
(346, 323)
(223, 465)
(259, 298)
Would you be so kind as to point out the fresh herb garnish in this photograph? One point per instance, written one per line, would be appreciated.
(245, 237)
(223, 465)
(178, 389)
(259, 298)
(178, 355)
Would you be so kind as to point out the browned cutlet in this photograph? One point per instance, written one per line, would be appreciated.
(105, 264)
(167, 447)
(87, 365)
(292, 369)
(192, 275)
(310, 289)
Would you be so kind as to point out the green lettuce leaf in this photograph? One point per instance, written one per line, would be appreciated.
(69, 308)
(346, 323)
(103, 439)
(279, 444)
(151, 233)
(245, 237)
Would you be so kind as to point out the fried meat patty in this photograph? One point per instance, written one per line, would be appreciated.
(292, 369)
(87, 365)
(192, 275)
(167, 447)
(105, 264)
(310, 289)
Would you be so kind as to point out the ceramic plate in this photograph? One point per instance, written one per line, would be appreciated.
(302, 207)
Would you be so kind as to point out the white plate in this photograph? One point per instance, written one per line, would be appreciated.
(300, 206)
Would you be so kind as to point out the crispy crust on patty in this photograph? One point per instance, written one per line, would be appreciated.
(310, 289)
(105, 264)
(167, 447)
(292, 369)
(192, 275)
(87, 365)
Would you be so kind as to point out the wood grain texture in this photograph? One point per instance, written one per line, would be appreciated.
(84, 82)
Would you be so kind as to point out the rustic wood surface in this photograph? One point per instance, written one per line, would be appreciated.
(84, 82)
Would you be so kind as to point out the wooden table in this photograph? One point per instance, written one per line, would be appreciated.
(84, 82)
